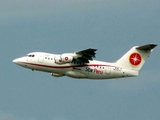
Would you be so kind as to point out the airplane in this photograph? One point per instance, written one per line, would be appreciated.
(81, 65)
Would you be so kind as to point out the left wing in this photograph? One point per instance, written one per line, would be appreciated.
(84, 56)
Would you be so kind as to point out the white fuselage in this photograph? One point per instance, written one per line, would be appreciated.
(93, 70)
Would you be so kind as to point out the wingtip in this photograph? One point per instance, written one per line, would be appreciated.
(154, 45)
(93, 49)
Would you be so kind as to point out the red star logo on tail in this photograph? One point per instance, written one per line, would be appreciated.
(135, 59)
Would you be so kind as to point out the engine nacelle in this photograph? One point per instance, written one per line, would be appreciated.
(57, 75)
(64, 58)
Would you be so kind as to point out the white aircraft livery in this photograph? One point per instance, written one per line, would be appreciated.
(80, 64)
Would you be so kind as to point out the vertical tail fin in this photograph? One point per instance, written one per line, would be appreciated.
(136, 57)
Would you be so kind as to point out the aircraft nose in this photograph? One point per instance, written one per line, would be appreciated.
(15, 61)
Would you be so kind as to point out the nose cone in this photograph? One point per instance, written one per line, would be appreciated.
(19, 61)
(15, 61)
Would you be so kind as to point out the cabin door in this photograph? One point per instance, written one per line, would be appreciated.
(40, 58)
(108, 70)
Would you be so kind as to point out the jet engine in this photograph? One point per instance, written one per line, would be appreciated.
(64, 58)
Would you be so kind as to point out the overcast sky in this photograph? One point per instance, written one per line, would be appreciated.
(59, 26)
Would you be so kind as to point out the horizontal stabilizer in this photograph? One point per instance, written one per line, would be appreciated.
(146, 47)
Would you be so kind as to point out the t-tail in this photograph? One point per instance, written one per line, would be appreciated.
(135, 58)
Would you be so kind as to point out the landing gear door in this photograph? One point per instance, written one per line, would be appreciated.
(41, 57)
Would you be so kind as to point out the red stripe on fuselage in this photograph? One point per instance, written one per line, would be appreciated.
(41, 65)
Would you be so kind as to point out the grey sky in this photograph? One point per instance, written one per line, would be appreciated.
(111, 26)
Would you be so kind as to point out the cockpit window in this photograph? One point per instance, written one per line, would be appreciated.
(30, 55)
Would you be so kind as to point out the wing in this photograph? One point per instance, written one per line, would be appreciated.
(84, 56)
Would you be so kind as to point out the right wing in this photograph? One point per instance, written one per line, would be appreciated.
(84, 56)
